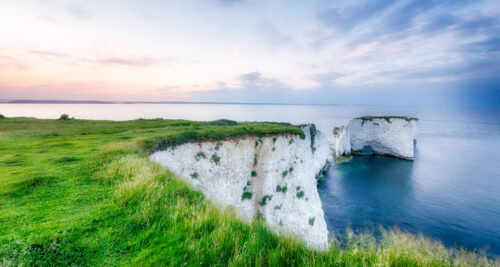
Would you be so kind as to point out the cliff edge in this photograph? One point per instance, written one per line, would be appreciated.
(268, 176)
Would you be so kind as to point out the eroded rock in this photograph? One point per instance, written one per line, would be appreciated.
(385, 135)
(271, 176)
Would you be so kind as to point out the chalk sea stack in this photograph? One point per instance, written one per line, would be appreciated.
(384, 135)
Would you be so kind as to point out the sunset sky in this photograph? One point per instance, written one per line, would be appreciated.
(443, 52)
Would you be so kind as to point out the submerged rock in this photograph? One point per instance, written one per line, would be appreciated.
(385, 135)
(272, 177)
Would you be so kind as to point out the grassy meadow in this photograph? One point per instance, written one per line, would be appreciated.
(79, 192)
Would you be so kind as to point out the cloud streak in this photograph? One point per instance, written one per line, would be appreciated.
(247, 51)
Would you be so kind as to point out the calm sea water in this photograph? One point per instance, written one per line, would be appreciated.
(451, 191)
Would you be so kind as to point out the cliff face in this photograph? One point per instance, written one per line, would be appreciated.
(393, 136)
(341, 142)
(270, 176)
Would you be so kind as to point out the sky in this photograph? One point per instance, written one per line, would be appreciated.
(414, 52)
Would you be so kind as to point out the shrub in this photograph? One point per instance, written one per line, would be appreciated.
(246, 195)
(274, 139)
(2, 116)
(215, 159)
(311, 221)
(285, 173)
(279, 188)
(254, 173)
(194, 175)
(200, 155)
(64, 117)
(223, 122)
(265, 199)
(312, 132)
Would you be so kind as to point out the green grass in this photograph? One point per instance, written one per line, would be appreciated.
(386, 118)
(343, 159)
(75, 192)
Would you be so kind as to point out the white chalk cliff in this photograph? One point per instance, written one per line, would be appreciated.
(341, 142)
(392, 136)
(273, 176)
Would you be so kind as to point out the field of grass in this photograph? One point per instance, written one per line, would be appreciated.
(75, 192)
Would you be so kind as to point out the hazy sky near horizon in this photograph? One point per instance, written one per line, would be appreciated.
(417, 52)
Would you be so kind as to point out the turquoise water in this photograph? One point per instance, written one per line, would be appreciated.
(451, 191)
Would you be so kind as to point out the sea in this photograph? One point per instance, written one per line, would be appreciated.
(449, 192)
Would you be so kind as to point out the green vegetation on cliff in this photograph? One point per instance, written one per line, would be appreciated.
(75, 192)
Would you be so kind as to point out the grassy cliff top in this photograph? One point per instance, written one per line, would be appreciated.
(154, 134)
(387, 118)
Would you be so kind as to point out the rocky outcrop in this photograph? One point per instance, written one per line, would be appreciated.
(387, 135)
(272, 177)
(341, 143)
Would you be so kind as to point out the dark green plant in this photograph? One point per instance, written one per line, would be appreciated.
(274, 139)
(246, 195)
(312, 132)
(291, 141)
(215, 159)
(311, 221)
(200, 155)
(285, 173)
(194, 175)
(64, 117)
(218, 145)
(278, 207)
(2, 116)
(223, 122)
(300, 194)
(265, 199)
(254, 173)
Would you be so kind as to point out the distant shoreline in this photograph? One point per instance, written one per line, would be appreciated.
(17, 101)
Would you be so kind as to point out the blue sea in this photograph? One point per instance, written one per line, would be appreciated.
(450, 192)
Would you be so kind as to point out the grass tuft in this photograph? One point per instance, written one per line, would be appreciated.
(264, 200)
(215, 159)
(223, 122)
(246, 195)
